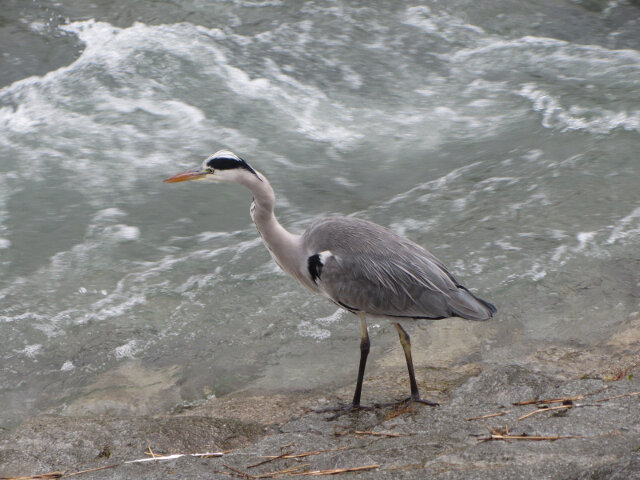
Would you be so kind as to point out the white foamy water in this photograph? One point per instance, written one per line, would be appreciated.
(509, 148)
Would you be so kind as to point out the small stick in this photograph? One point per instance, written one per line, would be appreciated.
(381, 434)
(301, 455)
(492, 431)
(550, 400)
(559, 407)
(546, 409)
(338, 470)
(307, 454)
(239, 472)
(287, 471)
(148, 451)
(292, 444)
(495, 435)
(499, 414)
(73, 474)
(177, 455)
(283, 454)
(42, 476)
(210, 455)
(398, 411)
(618, 396)
(558, 400)
(277, 457)
(532, 437)
(300, 471)
(54, 475)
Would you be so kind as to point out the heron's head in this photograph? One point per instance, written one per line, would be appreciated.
(221, 167)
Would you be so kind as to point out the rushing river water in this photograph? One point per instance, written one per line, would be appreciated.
(502, 136)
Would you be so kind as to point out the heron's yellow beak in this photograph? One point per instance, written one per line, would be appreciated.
(191, 174)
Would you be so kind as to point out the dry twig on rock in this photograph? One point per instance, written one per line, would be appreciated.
(335, 471)
(632, 394)
(536, 401)
(271, 458)
(496, 435)
(382, 434)
(302, 470)
(42, 476)
(239, 472)
(56, 475)
(490, 415)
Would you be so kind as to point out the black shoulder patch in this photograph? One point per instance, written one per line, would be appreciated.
(315, 267)
(229, 163)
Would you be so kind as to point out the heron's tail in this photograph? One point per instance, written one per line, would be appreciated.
(492, 308)
(472, 307)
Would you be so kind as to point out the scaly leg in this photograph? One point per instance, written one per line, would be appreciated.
(364, 352)
(405, 341)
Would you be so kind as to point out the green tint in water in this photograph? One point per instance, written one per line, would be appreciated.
(506, 147)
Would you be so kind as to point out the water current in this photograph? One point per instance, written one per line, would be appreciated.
(502, 136)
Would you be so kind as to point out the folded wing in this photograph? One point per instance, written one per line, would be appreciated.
(368, 268)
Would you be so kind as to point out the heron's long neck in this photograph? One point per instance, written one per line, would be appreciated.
(284, 247)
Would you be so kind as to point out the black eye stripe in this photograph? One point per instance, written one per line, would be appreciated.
(227, 163)
(224, 163)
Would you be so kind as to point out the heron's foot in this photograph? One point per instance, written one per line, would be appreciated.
(406, 402)
(342, 409)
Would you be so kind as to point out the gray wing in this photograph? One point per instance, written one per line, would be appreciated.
(365, 267)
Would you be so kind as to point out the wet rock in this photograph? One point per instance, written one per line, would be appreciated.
(594, 433)
(57, 443)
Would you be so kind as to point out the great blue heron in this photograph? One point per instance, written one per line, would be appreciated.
(359, 265)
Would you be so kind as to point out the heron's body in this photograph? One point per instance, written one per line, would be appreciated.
(359, 265)
(368, 268)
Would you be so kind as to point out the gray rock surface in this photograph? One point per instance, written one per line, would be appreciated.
(422, 442)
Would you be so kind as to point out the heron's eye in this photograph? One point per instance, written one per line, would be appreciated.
(208, 170)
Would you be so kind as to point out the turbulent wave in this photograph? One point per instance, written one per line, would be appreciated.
(511, 155)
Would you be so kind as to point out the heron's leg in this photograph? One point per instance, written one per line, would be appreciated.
(405, 341)
(364, 353)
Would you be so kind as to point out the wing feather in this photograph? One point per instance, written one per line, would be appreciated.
(374, 270)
